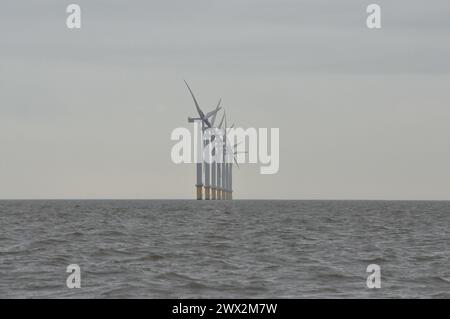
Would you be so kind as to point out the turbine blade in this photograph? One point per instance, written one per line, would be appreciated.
(195, 101)
(212, 113)
(236, 162)
(221, 121)
(214, 116)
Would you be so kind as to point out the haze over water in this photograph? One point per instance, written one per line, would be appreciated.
(238, 249)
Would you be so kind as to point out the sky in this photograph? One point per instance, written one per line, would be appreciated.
(88, 113)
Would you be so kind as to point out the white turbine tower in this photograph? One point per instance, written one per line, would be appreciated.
(214, 165)
(230, 180)
(210, 184)
(226, 165)
(218, 166)
(230, 156)
(204, 118)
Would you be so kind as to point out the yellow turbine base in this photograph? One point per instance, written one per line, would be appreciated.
(207, 192)
(199, 192)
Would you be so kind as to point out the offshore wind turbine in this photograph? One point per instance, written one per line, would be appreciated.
(214, 170)
(217, 183)
(230, 154)
(210, 172)
(230, 172)
(230, 180)
(204, 118)
(223, 164)
(226, 171)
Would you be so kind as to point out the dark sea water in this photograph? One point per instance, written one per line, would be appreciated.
(230, 249)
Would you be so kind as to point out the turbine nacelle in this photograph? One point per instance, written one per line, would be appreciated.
(192, 119)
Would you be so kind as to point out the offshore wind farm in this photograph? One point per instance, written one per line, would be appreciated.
(213, 177)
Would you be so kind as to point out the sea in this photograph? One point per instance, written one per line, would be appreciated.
(225, 249)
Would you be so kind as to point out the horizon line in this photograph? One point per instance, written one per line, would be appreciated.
(234, 199)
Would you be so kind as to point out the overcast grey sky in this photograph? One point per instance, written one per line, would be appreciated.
(363, 114)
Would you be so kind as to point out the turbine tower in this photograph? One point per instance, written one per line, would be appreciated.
(218, 166)
(224, 165)
(230, 180)
(215, 174)
(204, 118)
(230, 156)
(210, 169)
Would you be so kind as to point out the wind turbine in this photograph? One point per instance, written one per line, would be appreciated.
(204, 118)
(230, 169)
(226, 170)
(223, 165)
(219, 167)
(210, 168)
(214, 170)
(230, 155)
